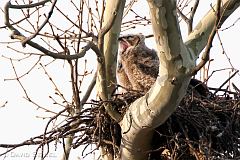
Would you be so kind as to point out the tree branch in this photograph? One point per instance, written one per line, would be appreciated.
(111, 44)
(29, 5)
(89, 90)
(41, 27)
(226, 81)
(198, 38)
(151, 110)
(61, 55)
(189, 20)
(103, 85)
(205, 56)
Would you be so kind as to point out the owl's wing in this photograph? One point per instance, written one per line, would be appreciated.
(148, 66)
(141, 72)
(122, 76)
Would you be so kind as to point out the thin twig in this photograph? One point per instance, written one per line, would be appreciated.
(61, 55)
(44, 23)
(226, 82)
(189, 21)
(205, 56)
(17, 78)
(89, 90)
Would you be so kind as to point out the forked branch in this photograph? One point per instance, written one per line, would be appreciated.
(189, 21)
(16, 34)
(205, 56)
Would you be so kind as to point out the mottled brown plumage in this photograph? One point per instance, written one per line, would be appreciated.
(137, 64)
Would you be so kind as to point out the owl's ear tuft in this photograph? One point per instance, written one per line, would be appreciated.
(133, 40)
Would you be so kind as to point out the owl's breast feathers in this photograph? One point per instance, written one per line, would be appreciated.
(122, 77)
(140, 65)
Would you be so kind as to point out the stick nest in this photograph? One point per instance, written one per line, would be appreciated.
(200, 128)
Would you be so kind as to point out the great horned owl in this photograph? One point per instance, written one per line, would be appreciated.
(137, 64)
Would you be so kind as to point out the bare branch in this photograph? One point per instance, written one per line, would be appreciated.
(4, 104)
(29, 5)
(74, 23)
(102, 65)
(189, 20)
(56, 133)
(29, 70)
(17, 78)
(236, 88)
(41, 27)
(198, 38)
(194, 9)
(17, 35)
(74, 82)
(107, 27)
(89, 90)
(54, 84)
(48, 123)
(205, 56)
(225, 82)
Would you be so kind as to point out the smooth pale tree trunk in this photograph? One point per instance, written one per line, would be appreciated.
(177, 60)
(110, 51)
(157, 105)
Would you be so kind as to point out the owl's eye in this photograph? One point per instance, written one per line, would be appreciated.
(119, 65)
(130, 38)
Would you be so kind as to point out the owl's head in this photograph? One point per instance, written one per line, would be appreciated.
(131, 40)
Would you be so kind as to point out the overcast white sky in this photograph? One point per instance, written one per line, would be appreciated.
(18, 119)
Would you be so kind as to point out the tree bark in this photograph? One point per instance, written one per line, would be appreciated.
(197, 39)
(111, 42)
(158, 104)
(110, 50)
(177, 59)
